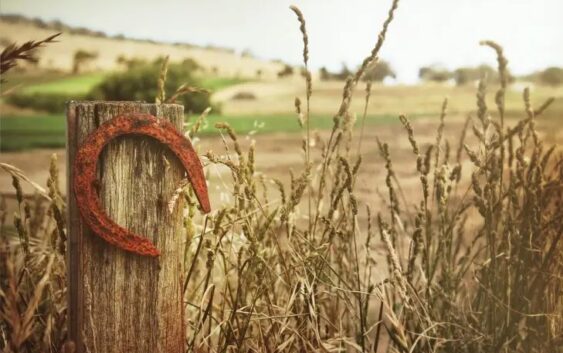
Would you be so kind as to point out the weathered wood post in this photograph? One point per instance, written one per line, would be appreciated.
(120, 301)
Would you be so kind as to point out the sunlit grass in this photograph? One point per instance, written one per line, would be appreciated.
(78, 84)
(22, 133)
(217, 83)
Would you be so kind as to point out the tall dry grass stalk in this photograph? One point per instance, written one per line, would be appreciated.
(13, 53)
(32, 271)
(473, 266)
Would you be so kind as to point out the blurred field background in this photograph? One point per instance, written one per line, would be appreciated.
(255, 96)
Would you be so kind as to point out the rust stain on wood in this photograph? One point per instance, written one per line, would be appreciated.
(85, 175)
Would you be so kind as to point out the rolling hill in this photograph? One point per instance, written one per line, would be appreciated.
(220, 61)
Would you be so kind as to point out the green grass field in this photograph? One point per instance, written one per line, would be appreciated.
(43, 130)
(21, 133)
(18, 133)
(217, 83)
(81, 84)
(48, 131)
(75, 84)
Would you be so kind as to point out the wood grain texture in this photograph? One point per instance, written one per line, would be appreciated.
(122, 302)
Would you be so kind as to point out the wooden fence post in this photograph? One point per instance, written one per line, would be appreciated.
(118, 301)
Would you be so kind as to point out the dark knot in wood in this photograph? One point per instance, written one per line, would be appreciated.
(85, 175)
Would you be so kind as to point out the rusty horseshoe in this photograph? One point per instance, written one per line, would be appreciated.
(85, 175)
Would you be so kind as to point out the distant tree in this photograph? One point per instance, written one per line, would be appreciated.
(324, 74)
(129, 63)
(434, 73)
(57, 25)
(378, 71)
(80, 58)
(246, 53)
(259, 74)
(286, 71)
(552, 76)
(190, 64)
(464, 75)
(140, 84)
(344, 73)
(40, 23)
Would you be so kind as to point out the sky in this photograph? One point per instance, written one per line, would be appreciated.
(424, 32)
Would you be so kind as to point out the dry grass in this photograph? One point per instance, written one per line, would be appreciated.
(25, 52)
(473, 260)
